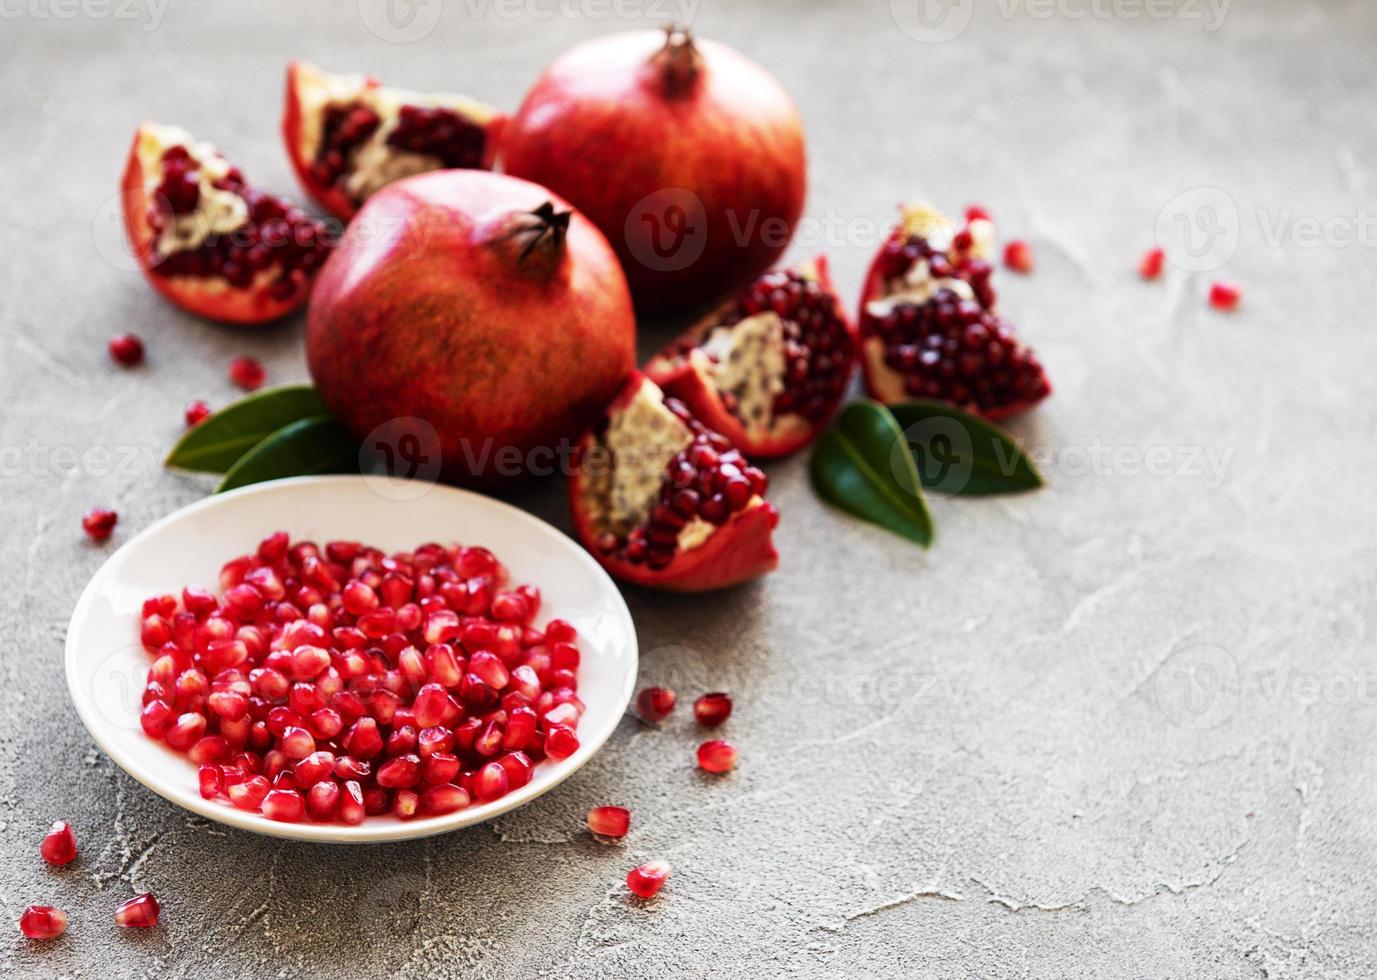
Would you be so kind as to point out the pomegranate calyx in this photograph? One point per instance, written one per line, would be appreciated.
(678, 63)
(539, 233)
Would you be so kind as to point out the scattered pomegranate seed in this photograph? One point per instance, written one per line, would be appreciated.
(1018, 256)
(647, 880)
(976, 213)
(98, 523)
(247, 373)
(712, 708)
(140, 912)
(609, 821)
(1150, 266)
(655, 703)
(196, 412)
(717, 756)
(126, 349)
(42, 922)
(59, 846)
(1225, 295)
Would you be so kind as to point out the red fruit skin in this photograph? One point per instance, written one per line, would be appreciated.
(737, 552)
(333, 199)
(208, 297)
(441, 320)
(681, 378)
(604, 128)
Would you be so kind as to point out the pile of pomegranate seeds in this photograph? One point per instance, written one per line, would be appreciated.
(99, 523)
(43, 922)
(126, 349)
(247, 373)
(329, 683)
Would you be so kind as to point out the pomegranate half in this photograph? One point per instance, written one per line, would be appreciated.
(208, 240)
(688, 155)
(928, 325)
(663, 501)
(767, 369)
(481, 304)
(348, 135)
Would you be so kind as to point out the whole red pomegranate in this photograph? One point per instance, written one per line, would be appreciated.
(477, 302)
(686, 154)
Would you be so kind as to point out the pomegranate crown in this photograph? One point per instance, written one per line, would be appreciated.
(678, 61)
(539, 232)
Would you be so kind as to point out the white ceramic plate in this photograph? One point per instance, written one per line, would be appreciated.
(107, 665)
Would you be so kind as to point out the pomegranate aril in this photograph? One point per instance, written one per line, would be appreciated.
(139, 912)
(518, 767)
(712, 709)
(186, 730)
(609, 821)
(655, 703)
(647, 880)
(351, 806)
(195, 412)
(98, 523)
(59, 845)
(247, 373)
(1150, 265)
(249, 794)
(1018, 256)
(126, 349)
(560, 742)
(42, 922)
(405, 804)
(716, 756)
(490, 782)
(284, 805)
(322, 800)
(209, 781)
(1225, 296)
(446, 798)
(404, 770)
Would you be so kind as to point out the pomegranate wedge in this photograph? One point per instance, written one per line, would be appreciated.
(928, 325)
(663, 501)
(768, 368)
(348, 135)
(208, 240)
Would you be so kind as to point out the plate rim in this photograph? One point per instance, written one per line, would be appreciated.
(363, 833)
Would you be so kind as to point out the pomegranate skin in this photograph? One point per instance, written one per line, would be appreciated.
(620, 128)
(433, 309)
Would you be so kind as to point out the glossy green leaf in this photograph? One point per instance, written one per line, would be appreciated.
(304, 448)
(862, 465)
(216, 444)
(960, 453)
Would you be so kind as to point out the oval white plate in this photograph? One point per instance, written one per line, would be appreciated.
(107, 665)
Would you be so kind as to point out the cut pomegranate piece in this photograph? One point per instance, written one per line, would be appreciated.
(1150, 266)
(59, 846)
(140, 912)
(99, 523)
(609, 821)
(928, 325)
(42, 922)
(647, 880)
(348, 136)
(126, 349)
(1225, 296)
(661, 500)
(767, 369)
(655, 703)
(208, 240)
(712, 709)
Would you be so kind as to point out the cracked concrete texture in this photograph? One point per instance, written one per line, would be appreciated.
(1117, 727)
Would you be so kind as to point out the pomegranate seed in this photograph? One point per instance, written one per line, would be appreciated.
(126, 349)
(405, 804)
(1018, 256)
(247, 373)
(249, 794)
(1150, 266)
(712, 708)
(560, 743)
(1225, 295)
(655, 703)
(442, 799)
(351, 806)
(609, 821)
(210, 781)
(98, 523)
(140, 912)
(491, 782)
(59, 846)
(405, 770)
(977, 213)
(195, 412)
(717, 756)
(285, 805)
(42, 922)
(519, 769)
(647, 880)
(322, 800)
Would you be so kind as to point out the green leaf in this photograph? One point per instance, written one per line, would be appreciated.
(960, 453)
(216, 444)
(304, 448)
(862, 465)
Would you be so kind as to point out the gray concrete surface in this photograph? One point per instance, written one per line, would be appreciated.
(1119, 727)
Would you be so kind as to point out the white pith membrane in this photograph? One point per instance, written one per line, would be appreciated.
(373, 164)
(641, 439)
(746, 360)
(218, 212)
(919, 285)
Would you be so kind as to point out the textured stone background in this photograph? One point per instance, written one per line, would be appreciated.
(1122, 726)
